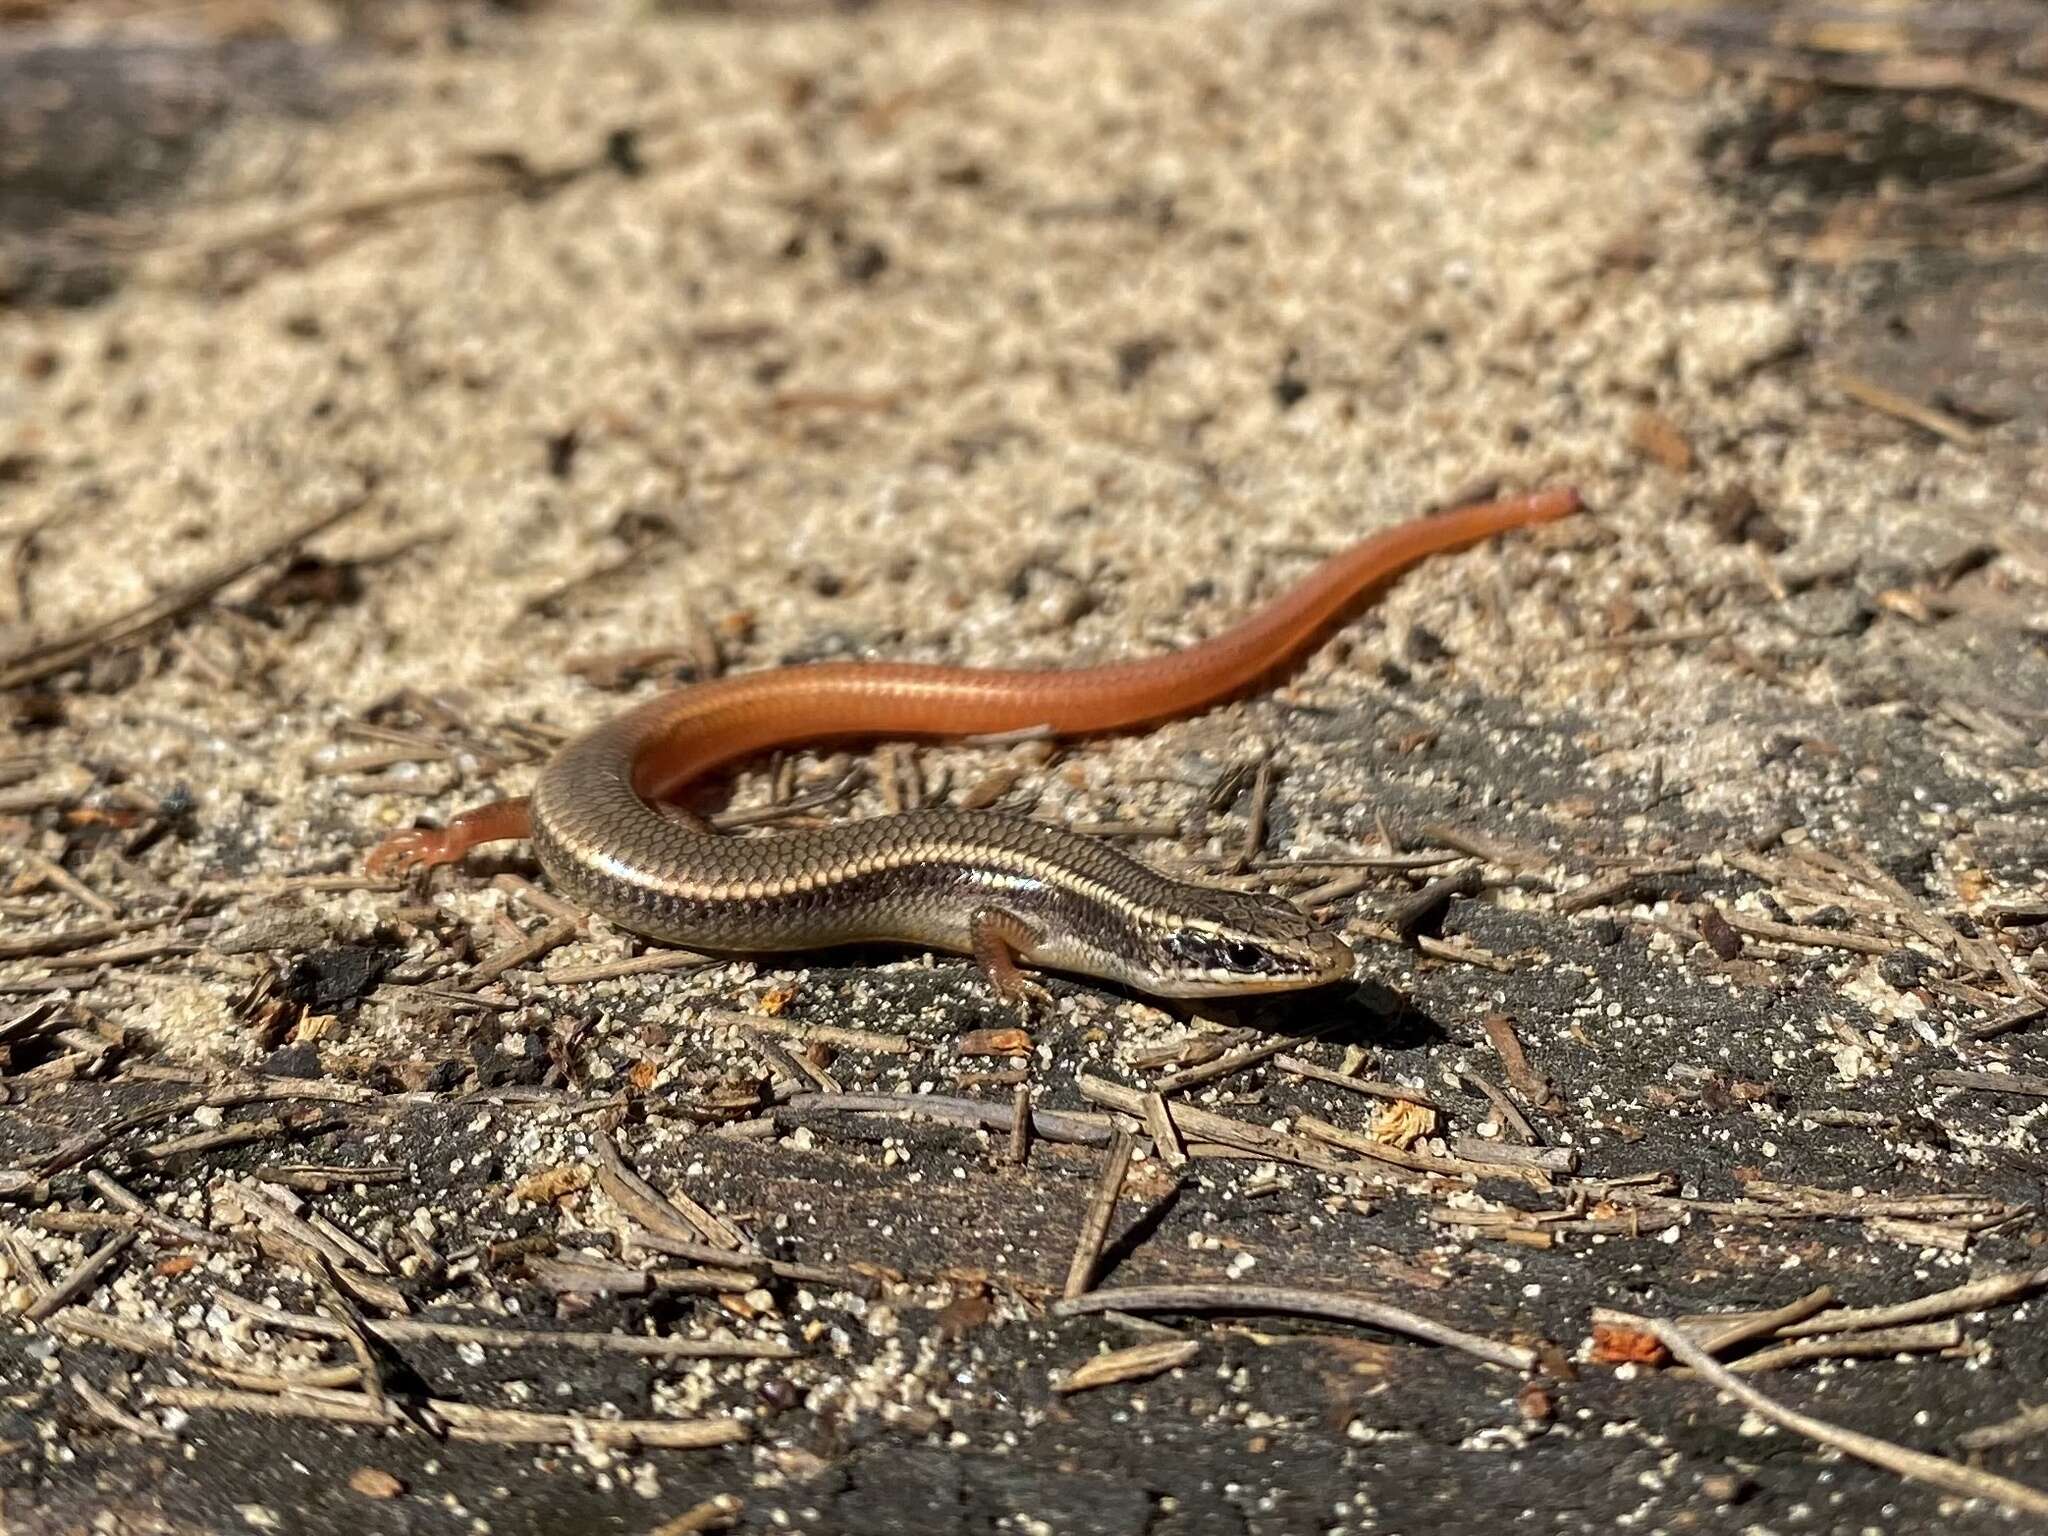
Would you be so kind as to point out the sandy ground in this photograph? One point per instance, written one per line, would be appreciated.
(1007, 336)
(1128, 313)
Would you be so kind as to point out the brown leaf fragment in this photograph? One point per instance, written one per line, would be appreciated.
(1362, 1357)
(1615, 1345)
(1140, 1362)
(310, 580)
(1721, 939)
(720, 1512)
(552, 1184)
(1408, 743)
(990, 788)
(1656, 437)
(1401, 1124)
(1522, 1077)
(375, 1483)
(1906, 604)
(1554, 1362)
(1623, 616)
(964, 1314)
(994, 1042)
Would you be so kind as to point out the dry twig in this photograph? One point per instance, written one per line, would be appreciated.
(52, 657)
(1335, 1305)
(1095, 1224)
(81, 1280)
(1140, 1362)
(1918, 1465)
(674, 1215)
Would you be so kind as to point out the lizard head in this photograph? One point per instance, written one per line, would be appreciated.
(1232, 943)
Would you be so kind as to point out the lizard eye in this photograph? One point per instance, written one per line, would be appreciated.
(1206, 952)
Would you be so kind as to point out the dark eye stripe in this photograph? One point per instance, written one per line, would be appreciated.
(1237, 957)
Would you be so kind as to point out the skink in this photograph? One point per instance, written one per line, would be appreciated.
(1001, 888)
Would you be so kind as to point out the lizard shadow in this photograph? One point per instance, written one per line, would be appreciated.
(1138, 1231)
(1363, 1013)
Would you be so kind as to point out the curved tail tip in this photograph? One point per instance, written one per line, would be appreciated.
(1542, 506)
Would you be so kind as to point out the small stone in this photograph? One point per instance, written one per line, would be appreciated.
(1724, 1487)
(863, 262)
(1739, 518)
(298, 1060)
(285, 932)
(1903, 968)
